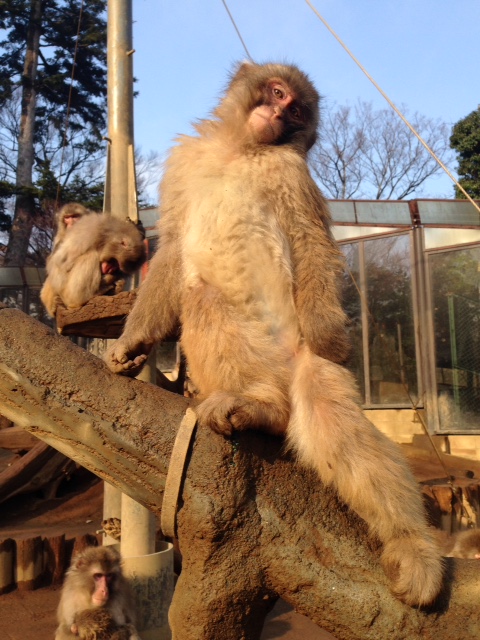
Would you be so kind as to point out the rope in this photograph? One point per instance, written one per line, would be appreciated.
(397, 111)
(237, 30)
(67, 116)
(175, 473)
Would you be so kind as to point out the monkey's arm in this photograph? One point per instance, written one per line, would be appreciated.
(49, 297)
(155, 314)
(318, 264)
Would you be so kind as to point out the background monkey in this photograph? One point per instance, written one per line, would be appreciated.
(463, 544)
(247, 262)
(91, 258)
(66, 217)
(95, 580)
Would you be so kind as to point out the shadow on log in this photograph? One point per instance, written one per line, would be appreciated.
(252, 525)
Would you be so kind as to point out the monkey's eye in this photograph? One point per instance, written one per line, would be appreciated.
(278, 93)
(97, 576)
(295, 112)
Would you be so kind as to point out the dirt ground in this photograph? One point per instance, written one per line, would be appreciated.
(30, 615)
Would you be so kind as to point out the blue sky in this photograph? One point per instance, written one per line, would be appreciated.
(423, 53)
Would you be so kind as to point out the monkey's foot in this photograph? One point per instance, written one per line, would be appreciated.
(415, 568)
(224, 413)
(126, 362)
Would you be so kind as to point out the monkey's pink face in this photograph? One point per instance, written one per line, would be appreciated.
(278, 114)
(109, 266)
(69, 221)
(101, 593)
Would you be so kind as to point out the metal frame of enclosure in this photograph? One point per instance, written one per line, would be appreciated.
(412, 292)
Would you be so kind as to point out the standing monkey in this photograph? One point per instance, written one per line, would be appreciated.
(247, 262)
(96, 599)
(92, 257)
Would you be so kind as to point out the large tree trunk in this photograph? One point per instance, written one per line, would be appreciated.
(24, 204)
(252, 524)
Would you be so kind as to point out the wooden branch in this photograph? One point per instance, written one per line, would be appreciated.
(101, 317)
(252, 524)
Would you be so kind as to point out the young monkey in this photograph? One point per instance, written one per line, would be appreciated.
(247, 263)
(95, 597)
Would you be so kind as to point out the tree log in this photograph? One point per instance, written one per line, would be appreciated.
(252, 524)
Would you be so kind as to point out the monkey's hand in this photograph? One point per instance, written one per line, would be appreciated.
(125, 359)
(119, 286)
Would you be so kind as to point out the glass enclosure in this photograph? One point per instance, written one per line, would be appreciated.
(455, 295)
(412, 295)
(379, 302)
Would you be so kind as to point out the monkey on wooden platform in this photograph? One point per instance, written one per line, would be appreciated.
(91, 257)
(248, 264)
(96, 599)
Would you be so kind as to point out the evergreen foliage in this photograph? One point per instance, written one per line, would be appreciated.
(465, 140)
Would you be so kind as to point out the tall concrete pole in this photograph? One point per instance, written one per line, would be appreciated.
(120, 190)
(138, 524)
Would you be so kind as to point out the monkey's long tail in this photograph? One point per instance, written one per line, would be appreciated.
(330, 433)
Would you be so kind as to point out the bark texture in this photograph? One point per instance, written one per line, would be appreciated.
(252, 524)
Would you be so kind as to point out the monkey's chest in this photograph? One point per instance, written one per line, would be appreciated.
(237, 246)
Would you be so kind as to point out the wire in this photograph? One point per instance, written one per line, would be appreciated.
(67, 116)
(397, 111)
(237, 30)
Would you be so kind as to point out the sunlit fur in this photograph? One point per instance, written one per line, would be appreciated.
(247, 262)
(79, 585)
(74, 272)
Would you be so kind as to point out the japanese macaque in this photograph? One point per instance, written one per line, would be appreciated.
(464, 544)
(66, 217)
(247, 263)
(92, 257)
(99, 624)
(95, 581)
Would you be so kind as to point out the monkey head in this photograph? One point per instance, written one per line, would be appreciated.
(70, 213)
(121, 248)
(278, 103)
(101, 567)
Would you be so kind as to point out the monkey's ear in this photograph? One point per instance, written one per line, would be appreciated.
(243, 69)
(79, 561)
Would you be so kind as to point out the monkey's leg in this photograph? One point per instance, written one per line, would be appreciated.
(239, 368)
(64, 632)
(331, 434)
(49, 297)
(82, 282)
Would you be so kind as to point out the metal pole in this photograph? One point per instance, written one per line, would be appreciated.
(138, 533)
(120, 191)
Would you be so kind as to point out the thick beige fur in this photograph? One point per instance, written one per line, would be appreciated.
(74, 268)
(248, 265)
(76, 598)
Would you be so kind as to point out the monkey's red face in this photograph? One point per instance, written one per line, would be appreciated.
(278, 114)
(110, 266)
(103, 584)
(70, 220)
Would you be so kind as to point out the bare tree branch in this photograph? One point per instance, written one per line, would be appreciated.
(373, 154)
(252, 524)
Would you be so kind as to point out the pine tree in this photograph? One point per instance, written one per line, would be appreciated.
(465, 140)
(36, 60)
